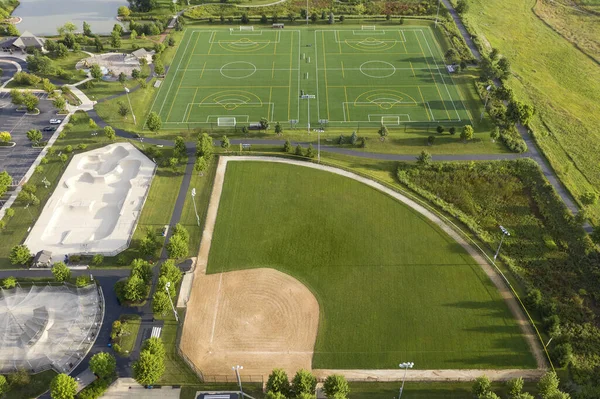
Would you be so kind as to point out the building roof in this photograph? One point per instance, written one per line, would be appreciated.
(7, 41)
(43, 257)
(140, 53)
(27, 39)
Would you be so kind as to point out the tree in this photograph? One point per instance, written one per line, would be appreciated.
(177, 247)
(96, 71)
(9, 282)
(204, 146)
(59, 103)
(515, 386)
(170, 271)
(30, 101)
(115, 39)
(518, 111)
(278, 129)
(304, 383)
(48, 86)
(299, 151)
(179, 149)
(68, 27)
(424, 158)
(336, 387)
(548, 385)
(314, 17)
(122, 78)
(495, 134)
(148, 369)
(135, 289)
(19, 255)
(123, 108)
(225, 143)
(92, 124)
(159, 68)
(331, 18)
(63, 387)
(3, 385)
(481, 386)
(155, 346)
(440, 129)
(99, 47)
(596, 235)
(87, 29)
(504, 67)
(16, 96)
(97, 259)
(160, 302)
(64, 158)
(61, 51)
(278, 382)
(287, 147)
(5, 137)
(123, 11)
(200, 165)
(589, 198)
(383, 132)
(61, 272)
(466, 133)
(154, 123)
(110, 133)
(489, 395)
(103, 364)
(310, 151)
(462, 6)
(264, 123)
(142, 269)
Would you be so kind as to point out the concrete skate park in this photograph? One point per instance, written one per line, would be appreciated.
(96, 204)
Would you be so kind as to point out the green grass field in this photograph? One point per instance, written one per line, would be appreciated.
(391, 285)
(358, 77)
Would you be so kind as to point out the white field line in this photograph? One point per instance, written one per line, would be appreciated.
(214, 324)
(440, 73)
(298, 92)
(174, 75)
(317, 75)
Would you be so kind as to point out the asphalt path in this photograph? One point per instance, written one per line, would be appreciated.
(533, 152)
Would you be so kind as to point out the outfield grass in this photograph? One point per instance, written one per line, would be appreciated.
(374, 265)
(559, 80)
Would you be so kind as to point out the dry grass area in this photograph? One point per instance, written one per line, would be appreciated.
(259, 318)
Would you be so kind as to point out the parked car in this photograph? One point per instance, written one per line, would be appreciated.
(49, 128)
(55, 121)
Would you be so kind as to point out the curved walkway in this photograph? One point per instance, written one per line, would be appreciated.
(534, 152)
(433, 375)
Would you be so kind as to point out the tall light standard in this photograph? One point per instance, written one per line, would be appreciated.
(167, 286)
(405, 366)
(487, 96)
(194, 201)
(306, 12)
(438, 13)
(237, 374)
(504, 233)
(308, 97)
(130, 107)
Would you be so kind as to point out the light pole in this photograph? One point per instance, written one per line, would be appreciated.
(306, 12)
(504, 233)
(194, 201)
(438, 13)
(130, 107)
(405, 366)
(170, 300)
(237, 374)
(487, 96)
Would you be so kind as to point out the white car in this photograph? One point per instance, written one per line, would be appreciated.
(55, 121)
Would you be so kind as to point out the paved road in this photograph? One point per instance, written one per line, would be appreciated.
(534, 152)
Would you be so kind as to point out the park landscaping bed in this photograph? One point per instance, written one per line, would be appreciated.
(332, 234)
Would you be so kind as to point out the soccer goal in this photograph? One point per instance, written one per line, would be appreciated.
(391, 120)
(250, 28)
(226, 122)
(367, 27)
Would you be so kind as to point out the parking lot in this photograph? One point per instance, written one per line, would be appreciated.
(17, 160)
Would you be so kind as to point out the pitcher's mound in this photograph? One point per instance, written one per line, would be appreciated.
(261, 319)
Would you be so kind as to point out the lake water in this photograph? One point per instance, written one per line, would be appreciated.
(42, 17)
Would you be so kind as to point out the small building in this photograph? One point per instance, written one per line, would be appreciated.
(26, 41)
(143, 54)
(43, 259)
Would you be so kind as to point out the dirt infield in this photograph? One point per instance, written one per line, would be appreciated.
(259, 318)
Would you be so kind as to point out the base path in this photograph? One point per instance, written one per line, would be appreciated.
(202, 295)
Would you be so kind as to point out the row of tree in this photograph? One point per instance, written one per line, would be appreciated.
(303, 386)
(547, 388)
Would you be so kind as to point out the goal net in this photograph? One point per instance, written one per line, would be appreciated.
(390, 120)
(368, 27)
(251, 28)
(226, 122)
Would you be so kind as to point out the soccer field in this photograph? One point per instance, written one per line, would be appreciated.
(335, 77)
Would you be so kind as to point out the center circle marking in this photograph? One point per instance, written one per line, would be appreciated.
(377, 69)
(244, 70)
